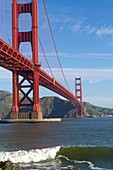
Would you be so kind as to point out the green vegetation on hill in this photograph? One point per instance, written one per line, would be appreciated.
(5, 102)
(96, 110)
(53, 107)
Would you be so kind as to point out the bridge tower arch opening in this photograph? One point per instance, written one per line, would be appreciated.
(17, 38)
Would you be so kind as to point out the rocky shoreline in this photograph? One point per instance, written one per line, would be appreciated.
(8, 165)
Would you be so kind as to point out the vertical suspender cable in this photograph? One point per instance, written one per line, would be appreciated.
(28, 9)
(9, 41)
(45, 56)
(3, 16)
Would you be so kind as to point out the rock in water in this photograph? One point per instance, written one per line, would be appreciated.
(8, 165)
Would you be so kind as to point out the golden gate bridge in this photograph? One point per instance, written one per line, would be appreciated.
(31, 72)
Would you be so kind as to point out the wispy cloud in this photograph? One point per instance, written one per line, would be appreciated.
(102, 56)
(89, 29)
(104, 31)
(52, 55)
(81, 25)
(90, 75)
(43, 25)
(66, 19)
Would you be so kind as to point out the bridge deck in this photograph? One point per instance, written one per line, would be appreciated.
(11, 59)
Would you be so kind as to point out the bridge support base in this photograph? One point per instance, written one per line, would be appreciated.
(26, 115)
(35, 115)
(14, 115)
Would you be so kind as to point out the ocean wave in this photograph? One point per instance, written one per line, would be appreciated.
(23, 156)
(89, 164)
(92, 157)
(86, 153)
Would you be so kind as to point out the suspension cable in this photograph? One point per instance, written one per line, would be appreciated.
(54, 43)
(45, 56)
(9, 41)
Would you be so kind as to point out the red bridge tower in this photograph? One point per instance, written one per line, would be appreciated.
(78, 94)
(19, 86)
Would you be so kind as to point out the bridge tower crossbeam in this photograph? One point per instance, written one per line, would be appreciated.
(17, 38)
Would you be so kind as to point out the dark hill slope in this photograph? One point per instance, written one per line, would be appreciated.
(56, 107)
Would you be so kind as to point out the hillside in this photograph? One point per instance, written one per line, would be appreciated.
(5, 102)
(53, 107)
(96, 110)
(56, 107)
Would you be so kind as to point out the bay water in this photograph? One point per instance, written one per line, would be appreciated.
(72, 144)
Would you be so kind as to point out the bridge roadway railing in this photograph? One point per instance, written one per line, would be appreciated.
(12, 60)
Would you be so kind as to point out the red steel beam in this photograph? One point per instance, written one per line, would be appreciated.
(12, 60)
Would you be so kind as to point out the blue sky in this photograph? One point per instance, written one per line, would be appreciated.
(83, 32)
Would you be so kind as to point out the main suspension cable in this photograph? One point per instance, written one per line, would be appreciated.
(54, 43)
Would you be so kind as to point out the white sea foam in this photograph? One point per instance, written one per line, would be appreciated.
(23, 156)
(91, 165)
